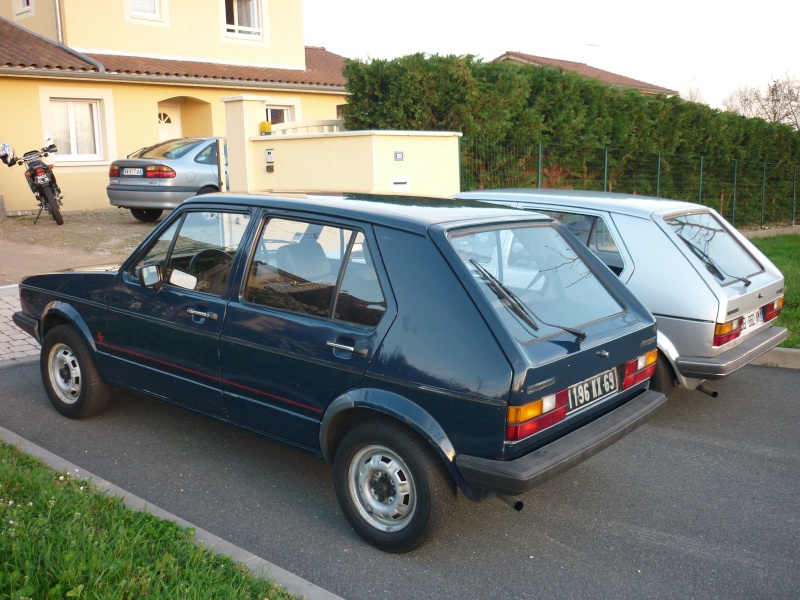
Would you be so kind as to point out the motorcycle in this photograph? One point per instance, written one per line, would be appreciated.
(42, 181)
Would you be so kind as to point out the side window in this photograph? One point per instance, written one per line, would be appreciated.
(595, 235)
(197, 251)
(207, 156)
(296, 266)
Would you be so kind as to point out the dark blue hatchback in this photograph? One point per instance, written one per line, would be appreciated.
(423, 346)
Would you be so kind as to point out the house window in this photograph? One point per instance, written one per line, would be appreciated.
(22, 6)
(277, 115)
(148, 9)
(76, 128)
(243, 17)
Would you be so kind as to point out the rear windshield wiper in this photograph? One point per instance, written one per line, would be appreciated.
(712, 266)
(516, 305)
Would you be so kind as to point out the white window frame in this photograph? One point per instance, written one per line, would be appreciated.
(140, 14)
(71, 154)
(242, 31)
(24, 7)
(287, 113)
(159, 17)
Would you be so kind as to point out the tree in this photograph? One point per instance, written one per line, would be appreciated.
(778, 102)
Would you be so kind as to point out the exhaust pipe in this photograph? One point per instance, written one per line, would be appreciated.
(514, 503)
(707, 390)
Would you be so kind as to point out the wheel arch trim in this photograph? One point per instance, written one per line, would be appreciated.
(57, 311)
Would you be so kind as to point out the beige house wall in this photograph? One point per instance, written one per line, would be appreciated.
(128, 122)
(41, 17)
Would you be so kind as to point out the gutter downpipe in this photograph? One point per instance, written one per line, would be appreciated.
(60, 41)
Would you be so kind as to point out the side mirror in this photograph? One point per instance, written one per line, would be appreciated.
(151, 276)
(47, 137)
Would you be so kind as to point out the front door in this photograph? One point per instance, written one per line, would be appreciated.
(169, 122)
(311, 316)
(164, 339)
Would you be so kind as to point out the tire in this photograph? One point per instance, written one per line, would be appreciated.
(207, 190)
(53, 204)
(663, 379)
(391, 486)
(70, 375)
(146, 215)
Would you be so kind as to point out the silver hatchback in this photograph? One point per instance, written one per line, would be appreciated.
(160, 177)
(715, 296)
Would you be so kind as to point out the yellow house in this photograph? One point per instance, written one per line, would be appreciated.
(106, 78)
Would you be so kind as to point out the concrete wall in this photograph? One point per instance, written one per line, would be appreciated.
(418, 163)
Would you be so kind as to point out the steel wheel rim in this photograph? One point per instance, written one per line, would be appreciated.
(65, 374)
(382, 488)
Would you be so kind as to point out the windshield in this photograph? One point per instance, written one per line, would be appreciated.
(532, 276)
(721, 254)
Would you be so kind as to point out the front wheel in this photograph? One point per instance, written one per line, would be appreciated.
(391, 486)
(52, 202)
(70, 376)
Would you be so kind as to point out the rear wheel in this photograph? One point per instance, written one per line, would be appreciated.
(50, 198)
(147, 215)
(70, 376)
(393, 489)
(663, 378)
(207, 190)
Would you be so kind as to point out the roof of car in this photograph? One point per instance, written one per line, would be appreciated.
(410, 213)
(629, 204)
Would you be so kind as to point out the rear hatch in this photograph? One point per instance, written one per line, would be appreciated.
(580, 344)
(749, 287)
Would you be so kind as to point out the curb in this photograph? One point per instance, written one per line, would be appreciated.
(258, 567)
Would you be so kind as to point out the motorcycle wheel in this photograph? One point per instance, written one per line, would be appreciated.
(53, 204)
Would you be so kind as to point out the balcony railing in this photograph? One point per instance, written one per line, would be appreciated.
(301, 127)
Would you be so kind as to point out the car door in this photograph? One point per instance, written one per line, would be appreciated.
(164, 339)
(313, 310)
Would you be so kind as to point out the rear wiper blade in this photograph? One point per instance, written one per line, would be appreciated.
(518, 307)
(712, 266)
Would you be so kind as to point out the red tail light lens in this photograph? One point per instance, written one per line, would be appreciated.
(725, 332)
(159, 172)
(113, 171)
(773, 309)
(39, 171)
(532, 417)
(639, 369)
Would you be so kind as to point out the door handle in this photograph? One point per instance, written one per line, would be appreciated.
(205, 315)
(353, 349)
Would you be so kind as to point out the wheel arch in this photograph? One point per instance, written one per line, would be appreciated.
(359, 405)
(60, 313)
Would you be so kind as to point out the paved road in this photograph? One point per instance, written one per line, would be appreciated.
(702, 502)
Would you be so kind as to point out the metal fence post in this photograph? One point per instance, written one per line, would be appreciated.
(605, 169)
(539, 178)
(763, 193)
(658, 177)
(700, 191)
(735, 174)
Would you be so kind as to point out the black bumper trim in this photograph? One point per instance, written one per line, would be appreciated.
(518, 476)
(28, 324)
(734, 359)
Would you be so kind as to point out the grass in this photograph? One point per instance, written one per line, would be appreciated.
(784, 251)
(62, 538)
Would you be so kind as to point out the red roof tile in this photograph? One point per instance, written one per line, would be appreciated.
(587, 71)
(21, 48)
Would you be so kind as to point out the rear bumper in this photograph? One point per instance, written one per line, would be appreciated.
(734, 359)
(137, 196)
(518, 476)
(28, 324)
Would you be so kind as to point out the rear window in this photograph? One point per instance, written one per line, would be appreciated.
(171, 149)
(709, 240)
(534, 279)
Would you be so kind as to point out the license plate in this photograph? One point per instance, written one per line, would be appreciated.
(132, 171)
(593, 389)
(752, 319)
(42, 179)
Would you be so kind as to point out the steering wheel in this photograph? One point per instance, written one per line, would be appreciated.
(218, 262)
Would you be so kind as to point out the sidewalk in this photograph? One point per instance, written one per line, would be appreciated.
(15, 344)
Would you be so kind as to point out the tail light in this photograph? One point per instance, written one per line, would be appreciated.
(639, 369)
(773, 309)
(113, 171)
(725, 332)
(159, 172)
(534, 416)
(39, 171)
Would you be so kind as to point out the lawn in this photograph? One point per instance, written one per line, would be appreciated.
(62, 538)
(784, 251)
